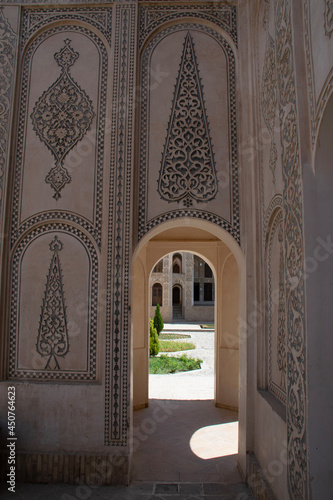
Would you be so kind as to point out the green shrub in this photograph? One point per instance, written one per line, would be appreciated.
(154, 344)
(158, 321)
(167, 364)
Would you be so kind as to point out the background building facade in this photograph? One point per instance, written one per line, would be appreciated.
(183, 285)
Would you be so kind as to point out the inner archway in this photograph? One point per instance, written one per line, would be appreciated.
(223, 254)
(225, 260)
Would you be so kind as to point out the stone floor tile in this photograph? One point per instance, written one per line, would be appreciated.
(214, 488)
(141, 487)
(191, 489)
(162, 488)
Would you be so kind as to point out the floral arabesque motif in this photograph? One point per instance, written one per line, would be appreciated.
(61, 117)
(188, 168)
(52, 340)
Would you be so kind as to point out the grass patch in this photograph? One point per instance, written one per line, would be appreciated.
(170, 336)
(207, 326)
(173, 346)
(170, 364)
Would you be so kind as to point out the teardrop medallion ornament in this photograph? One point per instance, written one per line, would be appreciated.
(61, 117)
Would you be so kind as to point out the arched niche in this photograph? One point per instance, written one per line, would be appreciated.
(53, 304)
(61, 125)
(209, 192)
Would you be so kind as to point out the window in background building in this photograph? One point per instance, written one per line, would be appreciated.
(196, 292)
(208, 292)
(157, 294)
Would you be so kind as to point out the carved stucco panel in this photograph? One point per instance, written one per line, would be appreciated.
(53, 334)
(213, 55)
(298, 479)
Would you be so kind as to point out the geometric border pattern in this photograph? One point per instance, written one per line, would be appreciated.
(144, 226)
(94, 229)
(34, 19)
(298, 476)
(41, 375)
(224, 16)
(8, 41)
(117, 352)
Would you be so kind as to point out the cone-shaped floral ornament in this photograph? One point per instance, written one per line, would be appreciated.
(52, 340)
(188, 168)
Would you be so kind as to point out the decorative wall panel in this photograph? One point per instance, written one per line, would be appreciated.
(188, 128)
(53, 334)
(188, 167)
(43, 132)
(269, 100)
(58, 196)
(117, 354)
(294, 257)
(61, 117)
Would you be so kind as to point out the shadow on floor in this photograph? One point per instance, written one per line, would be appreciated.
(185, 441)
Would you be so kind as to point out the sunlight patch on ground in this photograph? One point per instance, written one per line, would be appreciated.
(215, 441)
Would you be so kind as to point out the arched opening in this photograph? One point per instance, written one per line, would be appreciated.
(222, 254)
(225, 259)
(159, 267)
(177, 263)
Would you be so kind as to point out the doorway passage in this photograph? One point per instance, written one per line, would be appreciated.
(177, 308)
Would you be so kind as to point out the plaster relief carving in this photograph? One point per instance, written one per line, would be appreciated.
(52, 338)
(221, 15)
(294, 264)
(163, 189)
(85, 161)
(188, 168)
(269, 99)
(61, 117)
(277, 357)
(328, 17)
(281, 354)
(53, 333)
